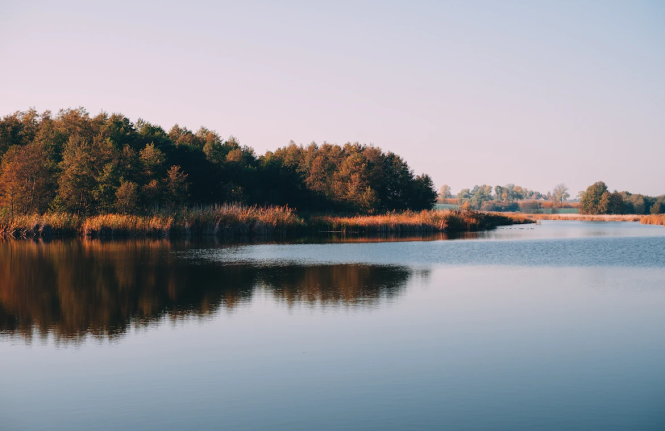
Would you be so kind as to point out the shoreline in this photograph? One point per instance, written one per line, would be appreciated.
(652, 219)
(237, 220)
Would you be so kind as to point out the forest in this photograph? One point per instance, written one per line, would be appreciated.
(72, 162)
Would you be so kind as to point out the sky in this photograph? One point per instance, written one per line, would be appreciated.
(534, 93)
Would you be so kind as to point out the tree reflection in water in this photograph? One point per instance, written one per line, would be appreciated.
(74, 288)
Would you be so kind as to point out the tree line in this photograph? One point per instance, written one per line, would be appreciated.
(597, 199)
(74, 162)
(502, 198)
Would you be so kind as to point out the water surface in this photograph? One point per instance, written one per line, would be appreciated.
(549, 327)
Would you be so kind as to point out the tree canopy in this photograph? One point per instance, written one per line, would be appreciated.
(597, 199)
(79, 163)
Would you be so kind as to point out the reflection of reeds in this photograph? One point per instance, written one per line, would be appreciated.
(424, 221)
(244, 220)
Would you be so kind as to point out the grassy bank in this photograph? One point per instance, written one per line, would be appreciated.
(229, 220)
(587, 217)
(424, 221)
(658, 219)
(216, 220)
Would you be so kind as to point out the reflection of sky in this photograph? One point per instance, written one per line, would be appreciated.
(529, 329)
(498, 348)
(553, 229)
(565, 243)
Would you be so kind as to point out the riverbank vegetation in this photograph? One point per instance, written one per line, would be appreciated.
(78, 164)
(424, 221)
(234, 220)
(597, 199)
(505, 198)
(587, 217)
(655, 219)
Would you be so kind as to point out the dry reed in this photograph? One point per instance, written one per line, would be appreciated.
(655, 219)
(588, 217)
(214, 220)
(424, 221)
(229, 220)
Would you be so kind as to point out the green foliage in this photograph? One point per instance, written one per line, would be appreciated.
(504, 198)
(90, 165)
(598, 200)
(591, 201)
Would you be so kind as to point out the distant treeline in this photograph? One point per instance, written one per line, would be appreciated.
(597, 199)
(72, 162)
(504, 198)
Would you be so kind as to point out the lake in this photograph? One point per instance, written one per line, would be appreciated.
(557, 326)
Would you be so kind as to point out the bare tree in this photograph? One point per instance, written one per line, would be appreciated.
(444, 192)
(560, 193)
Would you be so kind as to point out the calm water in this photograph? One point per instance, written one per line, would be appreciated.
(559, 326)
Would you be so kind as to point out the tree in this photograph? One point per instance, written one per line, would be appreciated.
(127, 197)
(615, 203)
(176, 186)
(518, 193)
(107, 163)
(25, 179)
(560, 193)
(87, 174)
(463, 196)
(152, 159)
(424, 193)
(444, 192)
(591, 201)
(498, 193)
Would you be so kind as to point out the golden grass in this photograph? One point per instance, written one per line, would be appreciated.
(245, 220)
(588, 217)
(424, 221)
(215, 220)
(40, 225)
(657, 219)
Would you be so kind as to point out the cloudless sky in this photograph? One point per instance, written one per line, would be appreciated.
(471, 92)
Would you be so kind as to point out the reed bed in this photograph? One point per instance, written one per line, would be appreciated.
(24, 226)
(213, 220)
(588, 217)
(657, 219)
(424, 221)
(230, 220)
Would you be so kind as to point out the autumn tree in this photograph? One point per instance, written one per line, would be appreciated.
(445, 192)
(127, 197)
(25, 179)
(176, 186)
(108, 163)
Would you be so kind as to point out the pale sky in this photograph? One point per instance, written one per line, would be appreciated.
(528, 92)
